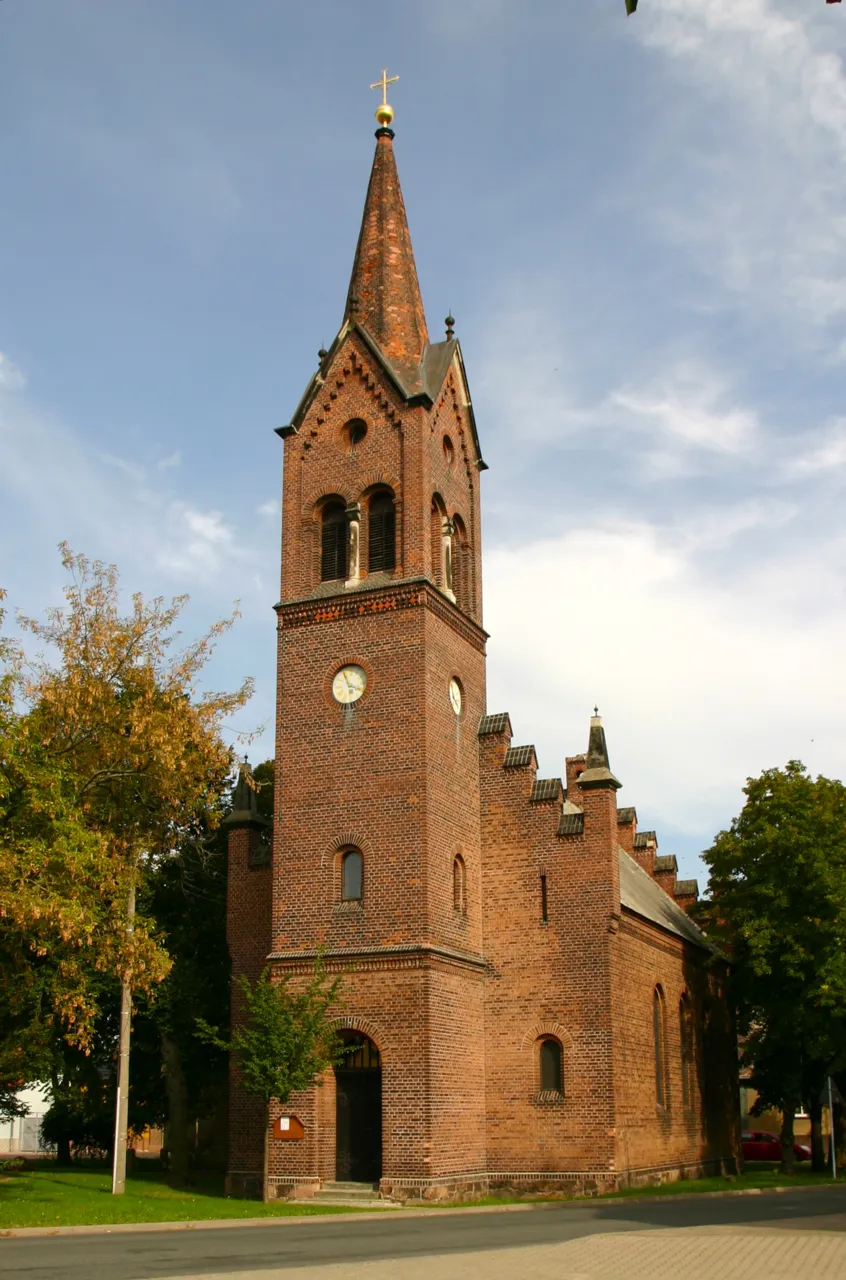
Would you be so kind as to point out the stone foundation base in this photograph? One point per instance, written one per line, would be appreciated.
(293, 1188)
(543, 1184)
(467, 1187)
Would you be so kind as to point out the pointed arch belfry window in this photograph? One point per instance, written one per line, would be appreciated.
(381, 533)
(462, 583)
(334, 555)
(442, 537)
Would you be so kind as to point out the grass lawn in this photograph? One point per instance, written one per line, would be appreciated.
(51, 1197)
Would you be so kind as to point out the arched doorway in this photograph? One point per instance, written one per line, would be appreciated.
(358, 1127)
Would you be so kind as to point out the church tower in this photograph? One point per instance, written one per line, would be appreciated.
(526, 1004)
(381, 687)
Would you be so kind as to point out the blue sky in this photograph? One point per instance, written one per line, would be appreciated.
(639, 225)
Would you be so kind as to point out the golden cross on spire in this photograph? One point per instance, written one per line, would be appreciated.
(384, 112)
(383, 85)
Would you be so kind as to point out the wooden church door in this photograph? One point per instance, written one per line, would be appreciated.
(358, 1129)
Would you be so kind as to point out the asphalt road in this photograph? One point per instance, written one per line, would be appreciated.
(281, 1245)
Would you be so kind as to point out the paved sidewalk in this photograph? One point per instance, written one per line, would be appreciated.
(712, 1253)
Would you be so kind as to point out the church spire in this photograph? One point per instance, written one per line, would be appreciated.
(384, 293)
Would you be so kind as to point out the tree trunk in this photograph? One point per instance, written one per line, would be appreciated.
(788, 1155)
(815, 1111)
(63, 1151)
(177, 1111)
(266, 1165)
(122, 1100)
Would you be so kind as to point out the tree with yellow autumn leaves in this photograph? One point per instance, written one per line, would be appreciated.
(111, 750)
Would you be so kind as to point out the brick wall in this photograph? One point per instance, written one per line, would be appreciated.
(248, 910)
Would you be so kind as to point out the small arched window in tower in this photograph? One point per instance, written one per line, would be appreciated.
(659, 1036)
(551, 1067)
(353, 434)
(459, 885)
(449, 451)
(382, 533)
(352, 867)
(333, 542)
(686, 1036)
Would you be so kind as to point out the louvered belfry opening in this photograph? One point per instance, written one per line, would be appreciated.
(333, 542)
(382, 533)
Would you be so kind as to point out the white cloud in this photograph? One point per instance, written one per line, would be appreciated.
(11, 377)
(268, 509)
(681, 417)
(131, 469)
(701, 682)
(694, 409)
(172, 460)
(761, 192)
(817, 455)
(196, 544)
(102, 504)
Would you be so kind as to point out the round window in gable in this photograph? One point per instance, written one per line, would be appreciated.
(353, 434)
(449, 451)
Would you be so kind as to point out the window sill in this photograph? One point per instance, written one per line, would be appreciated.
(548, 1098)
(349, 906)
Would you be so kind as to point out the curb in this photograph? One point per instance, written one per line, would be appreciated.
(295, 1220)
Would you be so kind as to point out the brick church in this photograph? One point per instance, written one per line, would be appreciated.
(528, 1004)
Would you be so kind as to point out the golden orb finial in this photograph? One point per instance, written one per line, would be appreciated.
(384, 111)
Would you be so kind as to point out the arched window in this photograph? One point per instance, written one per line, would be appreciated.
(687, 1051)
(441, 536)
(461, 571)
(459, 885)
(659, 1035)
(382, 533)
(551, 1067)
(352, 866)
(333, 542)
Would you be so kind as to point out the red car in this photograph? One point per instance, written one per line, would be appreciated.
(767, 1146)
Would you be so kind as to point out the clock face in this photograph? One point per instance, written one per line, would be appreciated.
(349, 684)
(455, 696)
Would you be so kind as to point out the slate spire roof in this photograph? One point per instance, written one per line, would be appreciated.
(384, 293)
(384, 305)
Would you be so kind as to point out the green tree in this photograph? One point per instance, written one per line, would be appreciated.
(111, 750)
(777, 903)
(285, 1037)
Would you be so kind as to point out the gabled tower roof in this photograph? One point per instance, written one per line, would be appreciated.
(384, 293)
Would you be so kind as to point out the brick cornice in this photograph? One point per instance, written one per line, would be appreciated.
(407, 954)
(409, 594)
